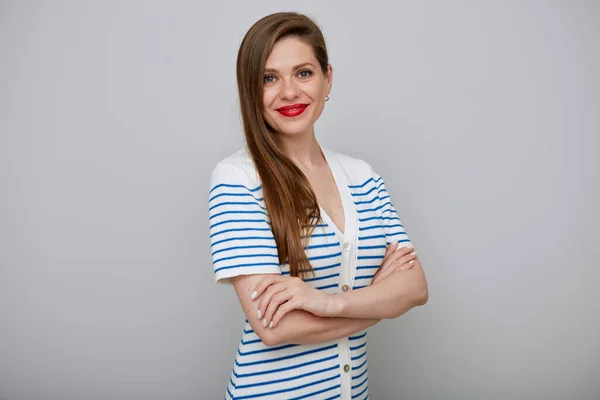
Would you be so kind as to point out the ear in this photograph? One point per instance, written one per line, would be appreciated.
(328, 79)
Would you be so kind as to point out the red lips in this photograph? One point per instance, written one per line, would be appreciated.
(292, 110)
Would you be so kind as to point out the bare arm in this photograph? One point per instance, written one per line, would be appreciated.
(398, 286)
(298, 326)
(388, 298)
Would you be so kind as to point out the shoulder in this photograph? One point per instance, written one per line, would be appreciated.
(237, 168)
(355, 169)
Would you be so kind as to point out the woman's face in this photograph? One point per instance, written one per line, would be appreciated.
(293, 77)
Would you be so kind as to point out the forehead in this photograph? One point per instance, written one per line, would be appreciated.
(288, 52)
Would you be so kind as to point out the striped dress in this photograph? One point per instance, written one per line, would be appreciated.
(242, 243)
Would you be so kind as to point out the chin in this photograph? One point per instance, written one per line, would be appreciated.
(292, 131)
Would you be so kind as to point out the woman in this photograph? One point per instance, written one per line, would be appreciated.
(308, 237)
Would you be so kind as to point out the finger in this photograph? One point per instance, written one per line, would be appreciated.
(282, 311)
(387, 272)
(408, 265)
(276, 301)
(391, 248)
(264, 284)
(408, 260)
(267, 295)
(400, 252)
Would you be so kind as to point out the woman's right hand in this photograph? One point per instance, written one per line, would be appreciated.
(395, 259)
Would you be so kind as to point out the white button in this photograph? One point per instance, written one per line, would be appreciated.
(347, 246)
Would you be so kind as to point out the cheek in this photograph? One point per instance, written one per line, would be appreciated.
(268, 98)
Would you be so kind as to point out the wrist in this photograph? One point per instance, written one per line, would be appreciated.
(337, 305)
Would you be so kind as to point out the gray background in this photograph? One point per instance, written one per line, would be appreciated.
(483, 117)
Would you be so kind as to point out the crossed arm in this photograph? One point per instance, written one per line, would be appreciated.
(291, 311)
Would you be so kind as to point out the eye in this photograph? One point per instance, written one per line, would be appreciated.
(267, 78)
(306, 72)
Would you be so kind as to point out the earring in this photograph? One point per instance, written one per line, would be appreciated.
(327, 98)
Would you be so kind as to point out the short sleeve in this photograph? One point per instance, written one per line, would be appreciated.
(392, 225)
(241, 240)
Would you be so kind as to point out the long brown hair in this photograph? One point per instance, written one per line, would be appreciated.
(289, 198)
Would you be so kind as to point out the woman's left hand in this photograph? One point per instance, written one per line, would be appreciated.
(281, 294)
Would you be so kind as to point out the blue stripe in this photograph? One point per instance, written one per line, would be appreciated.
(369, 267)
(320, 246)
(238, 220)
(319, 392)
(324, 256)
(234, 186)
(241, 230)
(363, 194)
(318, 268)
(288, 379)
(370, 257)
(272, 371)
(361, 365)
(292, 389)
(364, 277)
(372, 247)
(360, 186)
(358, 357)
(242, 238)
(400, 232)
(367, 201)
(359, 346)
(239, 203)
(361, 393)
(359, 385)
(394, 226)
(371, 237)
(359, 376)
(321, 234)
(369, 219)
(358, 336)
(237, 212)
(372, 209)
(286, 357)
(235, 195)
(268, 349)
(251, 341)
(244, 247)
(245, 256)
(366, 228)
(248, 265)
(326, 287)
(322, 277)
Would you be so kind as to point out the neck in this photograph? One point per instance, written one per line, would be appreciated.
(303, 150)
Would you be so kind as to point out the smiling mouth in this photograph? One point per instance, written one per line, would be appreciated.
(292, 111)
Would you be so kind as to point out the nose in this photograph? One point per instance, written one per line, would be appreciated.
(289, 89)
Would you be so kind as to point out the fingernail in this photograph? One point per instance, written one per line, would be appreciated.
(259, 314)
(271, 324)
(253, 295)
(264, 322)
(414, 253)
(411, 262)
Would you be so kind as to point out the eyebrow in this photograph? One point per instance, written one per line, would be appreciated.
(296, 67)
